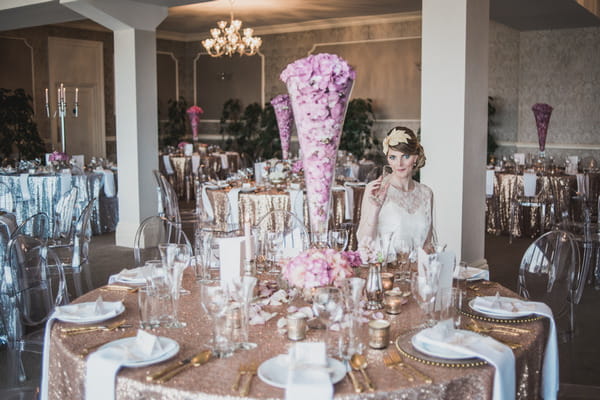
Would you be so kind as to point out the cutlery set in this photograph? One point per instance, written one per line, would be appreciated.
(393, 359)
(244, 369)
(166, 374)
(95, 328)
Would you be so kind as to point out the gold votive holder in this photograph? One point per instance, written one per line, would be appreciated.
(379, 334)
(387, 280)
(296, 326)
(392, 301)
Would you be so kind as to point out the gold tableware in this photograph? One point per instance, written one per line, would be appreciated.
(171, 367)
(95, 328)
(196, 361)
(250, 371)
(387, 360)
(358, 388)
(88, 349)
(359, 363)
(475, 327)
(120, 288)
(236, 384)
(400, 361)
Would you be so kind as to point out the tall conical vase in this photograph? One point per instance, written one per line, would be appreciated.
(319, 87)
(542, 112)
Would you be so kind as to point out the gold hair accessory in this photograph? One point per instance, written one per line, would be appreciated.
(396, 137)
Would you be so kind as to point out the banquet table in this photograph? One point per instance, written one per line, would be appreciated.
(66, 374)
(529, 219)
(45, 191)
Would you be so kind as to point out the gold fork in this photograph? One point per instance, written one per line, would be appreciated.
(88, 349)
(250, 371)
(387, 360)
(242, 370)
(396, 357)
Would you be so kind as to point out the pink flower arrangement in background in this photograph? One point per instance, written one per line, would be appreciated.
(181, 145)
(58, 156)
(542, 112)
(297, 167)
(317, 267)
(285, 119)
(194, 113)
(319, 87)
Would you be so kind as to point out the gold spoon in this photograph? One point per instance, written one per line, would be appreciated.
(359, 363)
(196, 361)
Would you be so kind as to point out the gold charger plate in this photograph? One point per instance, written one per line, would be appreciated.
(404, 345)
(469, 312)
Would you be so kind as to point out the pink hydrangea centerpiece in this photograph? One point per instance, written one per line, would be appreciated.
(318, 267)
(194, 113)
(58, 156)
(319, 87)
(285, 119)
(542, 112)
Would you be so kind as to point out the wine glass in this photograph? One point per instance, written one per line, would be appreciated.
(176, 258)
(215, 302)
(404, 248)
(424, 291)
(328, 306)
(338, 239)
(274, 243)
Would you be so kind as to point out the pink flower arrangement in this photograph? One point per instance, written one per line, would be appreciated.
(58, 156)
(297, 167)
(194, 113)
(319, 87)
(542, 113)
(181, 145)
(285, 119)
(317, 267)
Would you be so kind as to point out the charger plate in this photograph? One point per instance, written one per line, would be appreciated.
(469, 312)
(404, 345)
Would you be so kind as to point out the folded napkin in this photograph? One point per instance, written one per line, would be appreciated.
(206, 201)
(508, 305)
(471, 273)
(297, 202)
(87, 311)
(308, 377)
(135, 276)
(167, 164)
(489, 182)
(109, 183)
(65, 181)
(349, 202)
(24, 187)
(224, 161)
(102, 366)
(234, 213)
(444, 337)
(583, 184)
(195, 163)
(529, 184)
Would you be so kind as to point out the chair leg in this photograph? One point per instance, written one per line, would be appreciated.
(77, 282)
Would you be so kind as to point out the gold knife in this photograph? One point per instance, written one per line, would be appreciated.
(171, 367)
(86, 329)
(196, 361)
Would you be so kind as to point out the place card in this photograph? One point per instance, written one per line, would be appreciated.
(147, 344)
(231, 256)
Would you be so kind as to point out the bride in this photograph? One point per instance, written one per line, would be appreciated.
(396, 204)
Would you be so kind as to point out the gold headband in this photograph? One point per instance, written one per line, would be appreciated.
(396, 137)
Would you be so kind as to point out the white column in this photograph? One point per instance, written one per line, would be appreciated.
(134, 26)
(454, 92)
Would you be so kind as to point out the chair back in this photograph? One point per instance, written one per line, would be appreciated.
(549, 273)
(37, 226)
(283, 228)
(64, 216)
(153, 231)
(82, 236)
(7, 201)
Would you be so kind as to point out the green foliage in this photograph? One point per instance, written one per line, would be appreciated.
(18, 131)
(357, 136)
(174, 129)
(252, 132)
(491, 141)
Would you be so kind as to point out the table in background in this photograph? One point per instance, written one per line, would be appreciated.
(45, 191)
(213, 380)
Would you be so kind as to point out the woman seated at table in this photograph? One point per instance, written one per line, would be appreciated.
(398, 204)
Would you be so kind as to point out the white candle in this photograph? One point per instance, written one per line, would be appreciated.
(76, 95)
(58, 98)
(248, 243)
(46, 92)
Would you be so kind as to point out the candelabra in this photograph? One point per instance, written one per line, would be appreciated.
(62, 111)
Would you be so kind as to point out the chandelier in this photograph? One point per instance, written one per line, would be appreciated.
(226, 40)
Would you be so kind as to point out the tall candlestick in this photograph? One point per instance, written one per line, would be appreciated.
(46, 91)
(76, 95)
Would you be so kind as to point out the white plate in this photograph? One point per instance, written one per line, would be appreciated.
(248, 189)
(500, 313)
(170, 348)
(471, 274)
(438, 351)
(274, 371)
(83, 313)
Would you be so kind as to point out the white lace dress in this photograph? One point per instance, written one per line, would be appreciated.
(406, 214)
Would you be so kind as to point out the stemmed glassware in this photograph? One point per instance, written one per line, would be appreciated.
(176, 258)
(328, 306)
(215, 302)
(404, 248)
(274, 243)
(424, 290)
(338, 239)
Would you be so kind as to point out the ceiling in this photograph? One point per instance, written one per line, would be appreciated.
(189, 19)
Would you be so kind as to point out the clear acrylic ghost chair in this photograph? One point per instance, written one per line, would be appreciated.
(550, 272)
(30, 294)
(153, 231)
(7, 201)
(37, 226)
(64, 218)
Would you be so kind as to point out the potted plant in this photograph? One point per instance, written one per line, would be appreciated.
(175, 128)
(357, 137)
(18, 131)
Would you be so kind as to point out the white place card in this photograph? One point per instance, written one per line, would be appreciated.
(231, 256)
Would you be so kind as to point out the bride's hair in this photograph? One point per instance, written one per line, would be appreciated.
(412, 145)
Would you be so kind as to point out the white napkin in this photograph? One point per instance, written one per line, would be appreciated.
(519, 158)
(206, 201)
(135, 276)
(471, 273)
(224, 161)
(583, 184)
(349, 202)
(529, 183)
(443, 336)
(234, 213)
(195, 163)
(109, 183)
(65, 181)
(24, 187)
(259, 169)
(308, 377)
(297, 202)
(489, 182)
(550, 369)
(167, 164)
(102, 366)
(188, 149)
(89, 310)
(231, 256)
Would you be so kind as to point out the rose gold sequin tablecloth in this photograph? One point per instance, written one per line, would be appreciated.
(213, 380)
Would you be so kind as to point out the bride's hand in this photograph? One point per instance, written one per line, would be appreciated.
(375, 192)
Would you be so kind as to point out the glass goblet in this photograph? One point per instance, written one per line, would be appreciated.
(424, 291)
(215, 302)
(328, 306)
(338, 239)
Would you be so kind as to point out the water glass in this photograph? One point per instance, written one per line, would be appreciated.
(215, 302)
(450, 300)
(149, 307)
(424, 290)
(328, 306)
(338, 239)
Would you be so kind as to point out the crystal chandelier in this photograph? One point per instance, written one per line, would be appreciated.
(226, 40)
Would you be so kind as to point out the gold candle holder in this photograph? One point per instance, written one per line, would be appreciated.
(387, 280)
(392, 302)
(379, 334)
(296, 326)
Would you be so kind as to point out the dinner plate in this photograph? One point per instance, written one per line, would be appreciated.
(500, 313)
(431, 349)
(274, 371)
(248, 189)
(84, 313)
(469, 273)
(169, 348)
